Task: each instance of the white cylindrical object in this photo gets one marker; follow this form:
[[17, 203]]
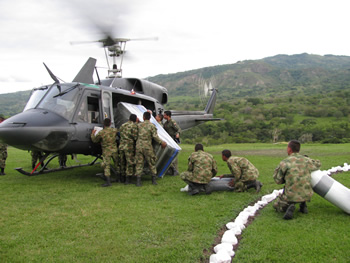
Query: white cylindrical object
[[331, 190]]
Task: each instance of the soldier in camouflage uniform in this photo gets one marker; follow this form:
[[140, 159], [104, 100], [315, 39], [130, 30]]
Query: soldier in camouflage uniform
[[144, 149], [173, 129], [3, 157], [3, 153], [295, 173], [244, 173], [107, 137], [128, 137], [36, 155], [201, 168]]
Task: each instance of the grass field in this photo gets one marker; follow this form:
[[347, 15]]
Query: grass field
[[67, 217]]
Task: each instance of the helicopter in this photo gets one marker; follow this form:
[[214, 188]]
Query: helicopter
[[59, 118]]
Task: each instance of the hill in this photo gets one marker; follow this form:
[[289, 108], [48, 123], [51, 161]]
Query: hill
[[279, 75], [13, 103]]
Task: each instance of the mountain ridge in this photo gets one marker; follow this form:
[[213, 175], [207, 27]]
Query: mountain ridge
[[279, 75]]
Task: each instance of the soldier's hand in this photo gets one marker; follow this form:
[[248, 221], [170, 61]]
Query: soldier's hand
[[231, 183], [164, 144], [221, 176], [93, 131]]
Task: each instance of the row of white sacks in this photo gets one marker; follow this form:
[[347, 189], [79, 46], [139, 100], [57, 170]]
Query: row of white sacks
[[322, 184]]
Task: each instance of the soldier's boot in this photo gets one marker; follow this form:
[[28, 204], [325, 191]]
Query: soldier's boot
[[175, 172], [118, 178], [154, 182], [122, 178], [126, 179], [258, 186], [289, 213], [193, 189], [2, 171], [138, 181], [208, 189], [108, 182], [303, 208], [170, 171]]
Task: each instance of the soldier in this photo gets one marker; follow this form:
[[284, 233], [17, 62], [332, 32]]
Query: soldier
[[244, 173], [36, 155], [128, 137], [201, 168], [159, 119], [295, 173], [3, 153], [107, 137], [144, 149], [171, 127]]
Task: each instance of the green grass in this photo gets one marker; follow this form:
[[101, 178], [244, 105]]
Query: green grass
[[67, 217]]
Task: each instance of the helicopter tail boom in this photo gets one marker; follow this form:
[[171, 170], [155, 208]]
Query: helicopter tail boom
[[189, 119]]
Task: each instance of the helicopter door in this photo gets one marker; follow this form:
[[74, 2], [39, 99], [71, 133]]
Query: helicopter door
[[107, 106]]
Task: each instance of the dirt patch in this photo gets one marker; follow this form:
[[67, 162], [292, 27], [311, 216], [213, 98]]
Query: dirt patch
[[262, 152], [207, 253]]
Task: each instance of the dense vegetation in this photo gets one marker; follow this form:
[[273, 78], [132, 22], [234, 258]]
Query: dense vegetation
[[303, 96]]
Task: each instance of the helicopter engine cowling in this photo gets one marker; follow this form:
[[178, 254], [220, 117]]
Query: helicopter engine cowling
[[36, 129]]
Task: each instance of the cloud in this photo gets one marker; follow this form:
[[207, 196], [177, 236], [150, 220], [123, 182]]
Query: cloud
[[192, 34]]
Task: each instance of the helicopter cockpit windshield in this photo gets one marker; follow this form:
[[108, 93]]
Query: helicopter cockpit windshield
[[35, 97], [60, 98]]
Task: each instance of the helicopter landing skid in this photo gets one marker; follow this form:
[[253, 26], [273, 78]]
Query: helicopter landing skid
[[44, 170]]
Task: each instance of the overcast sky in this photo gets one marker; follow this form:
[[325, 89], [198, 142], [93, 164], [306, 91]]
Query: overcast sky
[[192, 34]]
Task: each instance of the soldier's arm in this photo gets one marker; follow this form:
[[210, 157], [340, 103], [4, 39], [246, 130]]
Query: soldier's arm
[[95, 138], [214, 168], [279, 174], [190, 164], [236, 171], [155, 136], [314, 164], [177, 129]]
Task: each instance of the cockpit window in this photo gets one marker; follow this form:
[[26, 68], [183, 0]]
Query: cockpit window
[[61, 99], [36, 96]]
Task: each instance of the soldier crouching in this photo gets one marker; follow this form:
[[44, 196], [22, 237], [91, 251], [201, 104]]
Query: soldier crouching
[[201, 168], [295, 173]]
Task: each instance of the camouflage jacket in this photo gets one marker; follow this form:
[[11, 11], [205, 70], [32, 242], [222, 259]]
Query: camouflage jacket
[[146, 132], [203, 167], [128, 136], [107, 137], [241, 169], [3, 146], [172, 128], [295, 173]]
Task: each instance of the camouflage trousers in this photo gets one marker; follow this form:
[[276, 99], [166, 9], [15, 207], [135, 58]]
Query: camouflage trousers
[[106, 162], [281, 203], [140, 157], [127, 162], [240, 186], [35, 156], [186, 176], [3, 157]]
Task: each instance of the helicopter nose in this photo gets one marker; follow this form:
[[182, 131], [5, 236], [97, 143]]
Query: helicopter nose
[[36, 129]]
